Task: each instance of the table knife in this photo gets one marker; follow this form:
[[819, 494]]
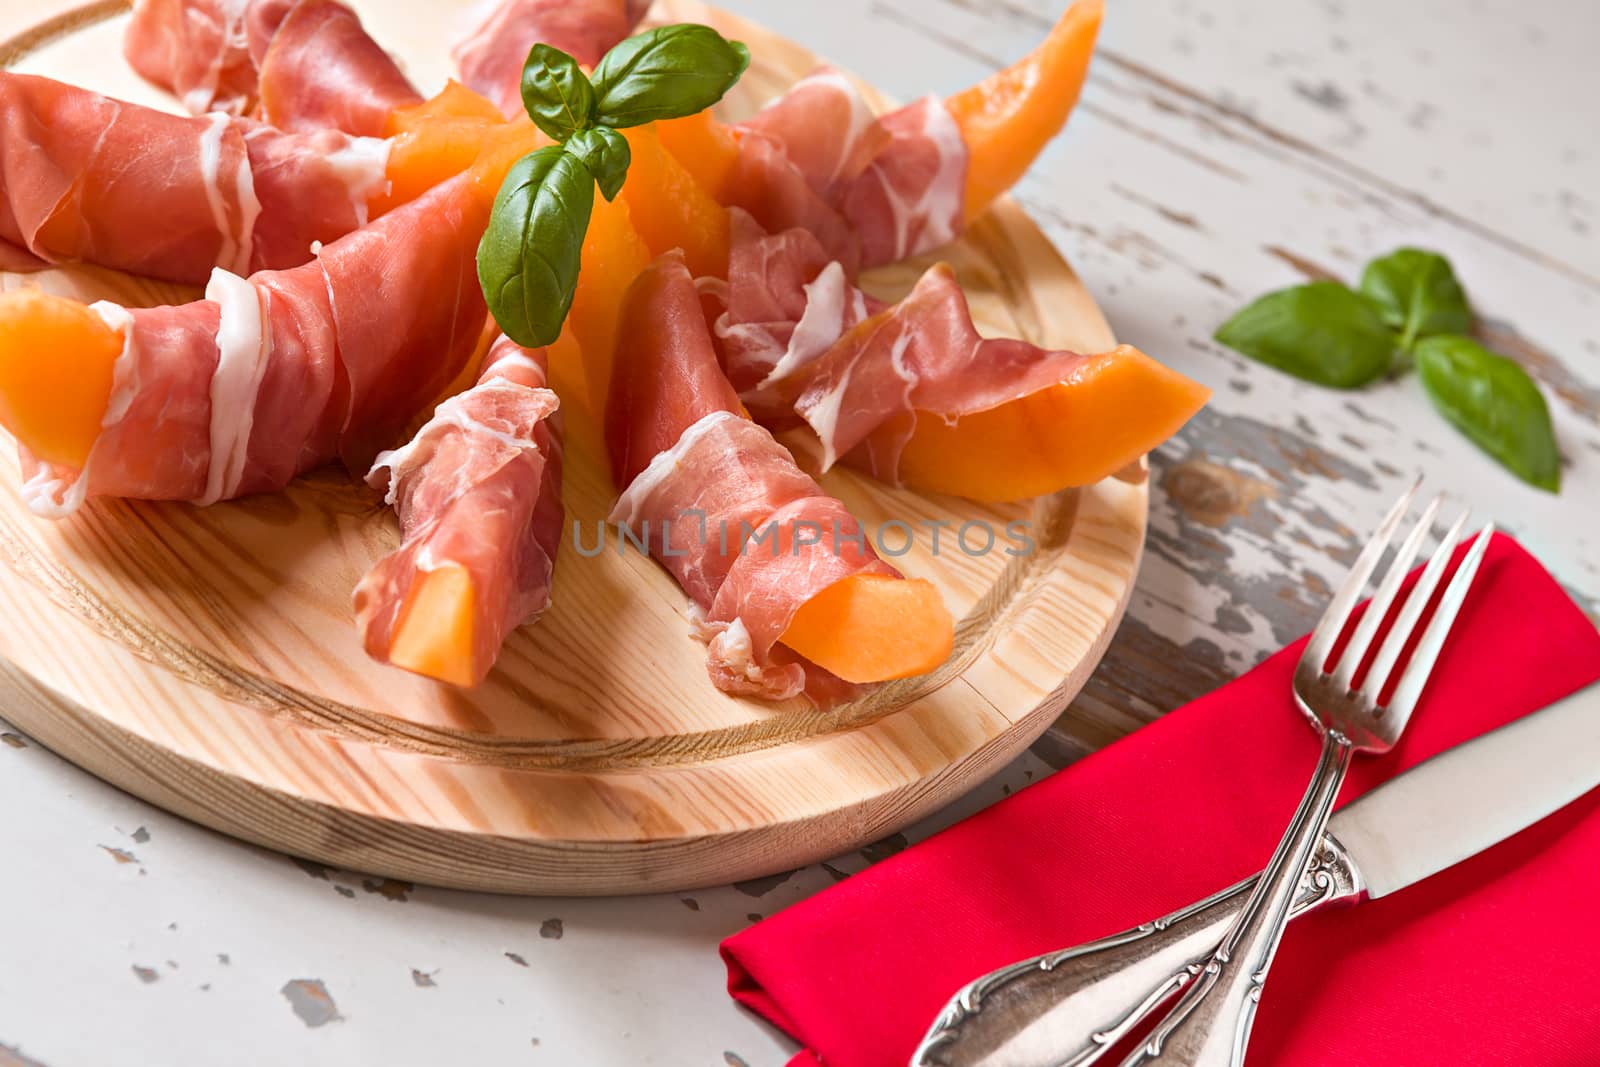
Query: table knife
[[1068, 1008]]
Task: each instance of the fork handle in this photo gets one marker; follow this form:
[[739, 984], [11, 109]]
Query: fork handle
[[1210, 1024], [1070, 1007]]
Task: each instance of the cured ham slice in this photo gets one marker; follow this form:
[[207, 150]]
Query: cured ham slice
[[265, 378], [827, 129], [749, 536], [491, 57], [478, 494], [889, 395], [786, 303], [910, 197], [873, 190], [913, 395], [84, 177], [197, 49], [922, 354], [768, 186], [298, 64]]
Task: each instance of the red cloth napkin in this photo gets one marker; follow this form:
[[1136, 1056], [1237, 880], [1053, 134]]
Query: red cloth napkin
[[1495, 961]]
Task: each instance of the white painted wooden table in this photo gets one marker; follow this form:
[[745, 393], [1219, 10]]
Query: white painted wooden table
[[1223, 147]]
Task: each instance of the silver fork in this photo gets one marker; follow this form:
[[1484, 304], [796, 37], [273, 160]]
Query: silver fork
[[1068, 1008], [1210, 1024]]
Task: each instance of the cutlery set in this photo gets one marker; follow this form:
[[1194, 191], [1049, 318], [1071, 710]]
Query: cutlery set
[[1206, 964]]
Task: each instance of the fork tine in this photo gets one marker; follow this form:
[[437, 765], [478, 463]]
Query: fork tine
[[1333, 620], [1383, 599], [1417, 671], [1417, 602]]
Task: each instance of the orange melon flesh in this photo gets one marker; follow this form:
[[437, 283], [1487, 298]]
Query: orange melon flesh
[[430, 153], [872, 628], [567, 374], [454, 101], [434, 636], [671, 209], [1112, 411], [501, 149], [706, 148], [613, 256], [56, 372], [434, 141], [1008, 118]]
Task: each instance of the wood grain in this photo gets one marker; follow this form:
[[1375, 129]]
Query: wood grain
[[205, 658]]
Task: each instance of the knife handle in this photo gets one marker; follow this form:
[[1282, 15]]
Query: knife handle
[[1210, 1024], [1069, 1008]]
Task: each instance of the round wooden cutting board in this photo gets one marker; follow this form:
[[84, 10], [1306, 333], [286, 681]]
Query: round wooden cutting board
[[205, 658]]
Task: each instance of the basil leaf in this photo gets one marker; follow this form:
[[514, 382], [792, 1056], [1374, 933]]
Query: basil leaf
[[666, 73], [607, 155], [1322, 332], [556, 92], [1418, 294], [1493, 401], [528, 260]]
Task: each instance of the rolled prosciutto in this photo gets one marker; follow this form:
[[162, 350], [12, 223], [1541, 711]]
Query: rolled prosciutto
[[478, 494], [296, 64], [749, 536], [490, 57], [268, 376], [86, 178]]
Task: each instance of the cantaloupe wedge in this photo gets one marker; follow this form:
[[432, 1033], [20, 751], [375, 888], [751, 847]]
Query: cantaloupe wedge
[[706, 148], [872, 628], [1008, 118], [435, 635], [1114, 409], [671, 209], [56, 373]]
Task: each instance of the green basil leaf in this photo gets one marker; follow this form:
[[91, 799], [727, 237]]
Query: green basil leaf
[[605, 152], [557, 94], [1418, 294], [1492, 400], [528, 260], [666, 73], [1322, 332]]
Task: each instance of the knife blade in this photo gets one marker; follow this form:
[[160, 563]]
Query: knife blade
[[1475, 795], [1068, 1008]]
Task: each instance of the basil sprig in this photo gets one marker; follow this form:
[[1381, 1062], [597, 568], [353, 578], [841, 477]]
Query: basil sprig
[[1410, 308], [529, 258]]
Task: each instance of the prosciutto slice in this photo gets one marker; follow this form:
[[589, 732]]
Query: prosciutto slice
[[478, 487], [873, 190], [747, 534], [922, 357], [825, 126], [84, 177], [786, 303], [272, 375], [298, 64], [910, 197], [491, 57]]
